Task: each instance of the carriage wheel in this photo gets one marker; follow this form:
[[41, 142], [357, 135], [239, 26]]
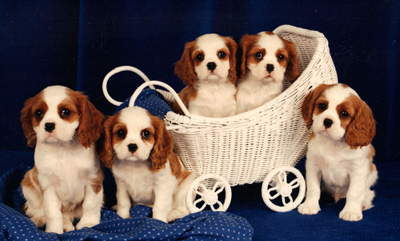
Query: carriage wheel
[[199, 196], [276, 185]]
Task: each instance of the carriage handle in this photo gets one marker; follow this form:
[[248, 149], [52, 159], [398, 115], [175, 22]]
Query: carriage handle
[[147, 82]]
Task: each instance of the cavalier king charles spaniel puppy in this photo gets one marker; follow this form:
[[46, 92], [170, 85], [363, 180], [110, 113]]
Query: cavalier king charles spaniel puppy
[[339, 157], [208, 69], [266, 59], [139, 149], [66, 180]]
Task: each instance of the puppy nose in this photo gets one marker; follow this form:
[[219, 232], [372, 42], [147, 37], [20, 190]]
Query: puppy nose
[[270, 68], [49, 127], [132, 148], [211, 66], [328, 123]]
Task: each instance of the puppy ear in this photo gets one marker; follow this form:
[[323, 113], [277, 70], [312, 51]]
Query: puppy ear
[[184, 68], [90, 121], [106, 149], [232, 46], [361, 129], [26, 121], [307, 108], [245, 44], [292, 70], [163, 145]]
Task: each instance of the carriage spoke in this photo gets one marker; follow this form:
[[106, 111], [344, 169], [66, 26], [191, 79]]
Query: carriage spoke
[[276, 195], [287, 203], [219, 206], [295, 183]]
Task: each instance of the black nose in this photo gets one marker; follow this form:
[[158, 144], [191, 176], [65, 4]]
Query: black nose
[[328, 123], [132, 148], [211, 66], [270, 68], [49, 127]]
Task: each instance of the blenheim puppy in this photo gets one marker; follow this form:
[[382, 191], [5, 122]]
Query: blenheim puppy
[[139, 149], [208, 69], [66, 180], [339, 153], [266, 59]]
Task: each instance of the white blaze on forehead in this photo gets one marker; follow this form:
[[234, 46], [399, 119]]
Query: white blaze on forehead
[[212, 42], [271, 42], [54, 95], [136, 118], [337, 94]]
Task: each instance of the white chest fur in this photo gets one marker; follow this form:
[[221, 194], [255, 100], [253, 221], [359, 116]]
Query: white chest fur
[[214, 100]]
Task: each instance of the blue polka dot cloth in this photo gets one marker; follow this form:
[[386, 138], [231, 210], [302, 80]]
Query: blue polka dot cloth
[[205, 225], [150, 100]]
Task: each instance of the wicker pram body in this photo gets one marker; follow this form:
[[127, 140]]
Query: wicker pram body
[[244, 148]]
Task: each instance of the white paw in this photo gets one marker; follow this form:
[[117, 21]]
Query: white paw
[[308, 209], [176, 214], [39, 221], [87, 222], [123, 213], [67, 226], [350, 215], [54, 229]]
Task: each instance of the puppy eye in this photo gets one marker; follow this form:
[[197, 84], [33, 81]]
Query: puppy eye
[[344, 114], [322, 106], [38, 114], [121, 133], [259, 55], [281, 57], [200, 57], [65, 112], [221, 55], [145, 134]]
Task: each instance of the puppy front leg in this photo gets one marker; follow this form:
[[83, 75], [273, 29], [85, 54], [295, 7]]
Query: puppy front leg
[[352, 211], [162, 203], [313, 181], [123, 199], [91, 207], [52, 211]]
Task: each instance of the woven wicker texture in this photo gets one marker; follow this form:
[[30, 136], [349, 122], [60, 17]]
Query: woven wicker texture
[[245, 147]]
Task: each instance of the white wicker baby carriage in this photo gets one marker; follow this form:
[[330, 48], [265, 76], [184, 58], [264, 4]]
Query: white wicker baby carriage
[[261, 145]]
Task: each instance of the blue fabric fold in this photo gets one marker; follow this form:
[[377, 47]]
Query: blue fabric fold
[[205, 225]]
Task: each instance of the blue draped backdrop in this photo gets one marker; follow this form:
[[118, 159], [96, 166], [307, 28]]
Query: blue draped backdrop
[[76, 43]]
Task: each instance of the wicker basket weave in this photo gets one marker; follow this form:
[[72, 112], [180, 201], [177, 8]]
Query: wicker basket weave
[[245, 147]]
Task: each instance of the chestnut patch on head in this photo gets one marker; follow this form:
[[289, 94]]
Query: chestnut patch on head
[[119, 132], [68, 111]]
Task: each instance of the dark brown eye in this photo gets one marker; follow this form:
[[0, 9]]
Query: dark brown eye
[[344, 114], [322, 106], [281, 57], [145, 134], [39, 114], [221, 55], [65, 112], [200, 57], [259, 55], [121, 133]]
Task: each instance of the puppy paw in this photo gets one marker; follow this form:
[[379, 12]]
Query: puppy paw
[[87, 222], [176, 214], [50, 229], [39, 221], [350, 215], [123, 213], [308, 209], [67, 226]]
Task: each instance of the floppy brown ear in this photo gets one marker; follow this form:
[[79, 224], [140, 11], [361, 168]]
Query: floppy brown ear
[[361, 129], [26, 121], [90, 120], [292, 70], [245, 44], [232, 46], [163, 145], [184, 68], [106, 150], [307, 108]]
